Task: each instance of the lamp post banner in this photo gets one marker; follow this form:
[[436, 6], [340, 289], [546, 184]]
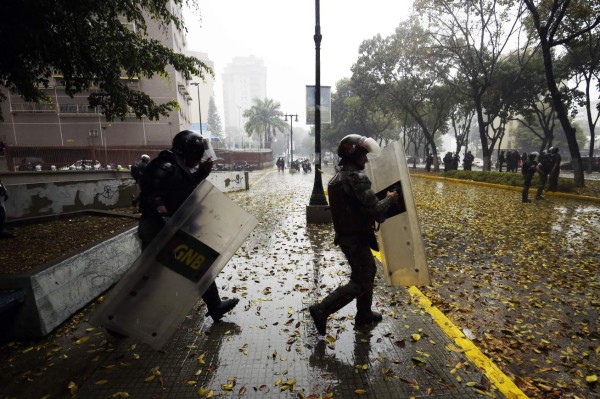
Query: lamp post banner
[[156, 294], [325, 104], [399, 237]]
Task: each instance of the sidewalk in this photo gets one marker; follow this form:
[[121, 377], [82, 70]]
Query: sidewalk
[[268, 346]]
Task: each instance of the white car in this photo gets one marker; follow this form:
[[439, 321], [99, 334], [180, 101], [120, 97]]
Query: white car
[[478, 162]]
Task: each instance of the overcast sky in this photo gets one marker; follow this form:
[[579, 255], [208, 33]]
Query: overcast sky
[[281, 33]]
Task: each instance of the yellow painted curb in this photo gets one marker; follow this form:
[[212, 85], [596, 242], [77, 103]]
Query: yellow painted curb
[[504, 384], [500, 380], [505, 187]]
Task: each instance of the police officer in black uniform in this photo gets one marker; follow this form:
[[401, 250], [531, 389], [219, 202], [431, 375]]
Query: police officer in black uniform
[[354, 210], [528, 170], [3, 197], [137, 170], [165, 184], [544, 167], [553, 178]]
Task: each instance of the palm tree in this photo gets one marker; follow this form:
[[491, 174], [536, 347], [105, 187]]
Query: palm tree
[[264, 118]]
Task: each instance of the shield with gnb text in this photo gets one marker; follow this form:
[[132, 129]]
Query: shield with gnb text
[[163, 284]]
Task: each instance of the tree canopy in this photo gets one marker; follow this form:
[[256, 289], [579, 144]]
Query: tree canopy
[[264, 119], [91, 44]]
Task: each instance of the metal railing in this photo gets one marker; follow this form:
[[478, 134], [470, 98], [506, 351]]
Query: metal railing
[[32, 108]]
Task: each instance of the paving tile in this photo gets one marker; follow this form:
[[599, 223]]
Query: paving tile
[[269, 341]]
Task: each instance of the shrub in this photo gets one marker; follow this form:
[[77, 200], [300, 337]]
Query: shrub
[[506, 179]]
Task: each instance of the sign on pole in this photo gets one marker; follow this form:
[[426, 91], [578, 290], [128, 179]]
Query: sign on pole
[[325, 104]]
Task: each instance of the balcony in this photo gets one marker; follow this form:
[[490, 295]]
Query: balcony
[[77, 110], [32, 108]]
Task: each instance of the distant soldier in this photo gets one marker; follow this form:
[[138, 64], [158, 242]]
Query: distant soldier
[[512, 161], [3, 198], [528, 170], [553, 177], [428, 162], [501, 160], [468, 161], [448, 161], [455, 161], [137, 171], [544, 167]]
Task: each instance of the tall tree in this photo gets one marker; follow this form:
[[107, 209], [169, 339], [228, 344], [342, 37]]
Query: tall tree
[[91, 44], [584, 60], [214, 120], [557, 23], [264, 119], [394, 66], [471, 36]]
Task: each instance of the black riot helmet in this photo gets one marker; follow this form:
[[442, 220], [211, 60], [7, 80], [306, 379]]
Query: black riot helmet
[[353, 146], [189, 145], [554, 150]]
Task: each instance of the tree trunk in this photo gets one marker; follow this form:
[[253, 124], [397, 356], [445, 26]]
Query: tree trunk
[[485, 150], [591, 124], [562, 113]]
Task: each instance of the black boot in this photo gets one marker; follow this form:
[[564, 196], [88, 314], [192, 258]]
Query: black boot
[[333, 302], [216, 307], [365, 317], [319, 318], [367, 322], [225, 306]]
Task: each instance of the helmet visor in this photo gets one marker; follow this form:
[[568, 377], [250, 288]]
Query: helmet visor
[[209, 152], [371, 146]]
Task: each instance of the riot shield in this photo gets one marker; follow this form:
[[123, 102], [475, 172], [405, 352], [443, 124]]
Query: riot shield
[[399, 237], [159, 289]]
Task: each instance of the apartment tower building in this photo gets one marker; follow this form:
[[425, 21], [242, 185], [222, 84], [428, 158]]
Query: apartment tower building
[[244, 79]]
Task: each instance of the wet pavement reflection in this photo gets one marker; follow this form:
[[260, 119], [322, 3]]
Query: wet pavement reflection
[[267, 347]]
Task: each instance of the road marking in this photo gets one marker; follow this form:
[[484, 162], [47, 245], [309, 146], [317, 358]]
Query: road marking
[[504, 384]]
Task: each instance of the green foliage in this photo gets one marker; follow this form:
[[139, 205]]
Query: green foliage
[[91, 44], [506, 179], [264, 118]]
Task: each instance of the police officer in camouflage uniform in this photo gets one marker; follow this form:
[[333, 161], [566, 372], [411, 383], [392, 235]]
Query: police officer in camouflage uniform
[[166, 183], [354, 209]]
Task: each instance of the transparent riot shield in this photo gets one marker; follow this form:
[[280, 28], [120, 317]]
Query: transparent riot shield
[[158, 291], [399, 237]]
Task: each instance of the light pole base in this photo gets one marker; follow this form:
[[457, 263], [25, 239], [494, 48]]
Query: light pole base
[[318, 214]]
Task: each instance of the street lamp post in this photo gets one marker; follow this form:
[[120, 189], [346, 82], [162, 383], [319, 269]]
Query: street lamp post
[[317, 210], [197, 84], [291, 135]]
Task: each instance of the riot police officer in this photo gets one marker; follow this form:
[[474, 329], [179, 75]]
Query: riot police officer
[[3, 197], [166, 183], [553, 178], [137, 170], [528, 170], [544, 167], [354, 210]]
